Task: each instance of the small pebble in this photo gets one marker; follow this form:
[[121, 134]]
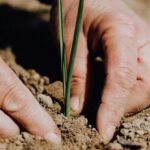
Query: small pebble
[[17, 143], [83, 121], [146, 123], [41, 81], [115, 146], [47, 100], [148, 118], [140, 132], [40, 89], [25, 135], [46, 80], [131, 135], [127, 125], [36, 76], [137, 123], [93, 129], [38, 138]]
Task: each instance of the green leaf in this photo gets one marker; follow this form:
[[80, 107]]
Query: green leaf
[[72, 57], [62, 48]]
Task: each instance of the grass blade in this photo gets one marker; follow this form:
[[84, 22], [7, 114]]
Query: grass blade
[[72, 57], [62, 48]]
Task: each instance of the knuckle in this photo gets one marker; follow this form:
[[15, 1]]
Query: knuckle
[[125, 77], [116, 25], [77, 80], [14, 99], [125, 19]]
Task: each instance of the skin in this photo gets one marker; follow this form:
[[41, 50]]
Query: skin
[[126, 44], [19, 107]]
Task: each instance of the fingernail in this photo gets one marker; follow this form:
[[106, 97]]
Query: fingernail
[[54, 138], [75, 103], [108, 133]]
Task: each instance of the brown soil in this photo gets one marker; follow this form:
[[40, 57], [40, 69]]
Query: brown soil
[[77, 133]]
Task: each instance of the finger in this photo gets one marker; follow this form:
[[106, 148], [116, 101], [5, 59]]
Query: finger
[[121, 62], [19, 103], [7, 126], [79, 76]]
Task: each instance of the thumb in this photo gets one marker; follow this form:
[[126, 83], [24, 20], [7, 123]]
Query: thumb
[[121, 58]]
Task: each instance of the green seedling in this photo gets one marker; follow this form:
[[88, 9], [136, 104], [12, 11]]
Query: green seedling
[[67, 74], [62, 47]]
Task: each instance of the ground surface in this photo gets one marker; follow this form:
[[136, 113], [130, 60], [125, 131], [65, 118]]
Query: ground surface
[[134, 132]]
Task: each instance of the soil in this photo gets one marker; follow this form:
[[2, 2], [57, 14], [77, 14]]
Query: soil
[[77, 132]]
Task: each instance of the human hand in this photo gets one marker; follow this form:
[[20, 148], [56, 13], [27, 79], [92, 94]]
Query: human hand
[[126, 43], [18, 106]]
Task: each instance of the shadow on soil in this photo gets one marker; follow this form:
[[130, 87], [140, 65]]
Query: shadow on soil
[[31, 40]]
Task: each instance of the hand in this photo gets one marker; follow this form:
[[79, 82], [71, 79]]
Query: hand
[[126, 45], [18, 106]]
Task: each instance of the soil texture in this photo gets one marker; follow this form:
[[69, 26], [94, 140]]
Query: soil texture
[[134, 132]]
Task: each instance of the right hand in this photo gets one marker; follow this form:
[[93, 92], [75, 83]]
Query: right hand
[[109, 26], [18, 106]]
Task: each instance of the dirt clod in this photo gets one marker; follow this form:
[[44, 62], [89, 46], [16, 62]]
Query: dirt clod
[[55, 90], [46, 100]]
